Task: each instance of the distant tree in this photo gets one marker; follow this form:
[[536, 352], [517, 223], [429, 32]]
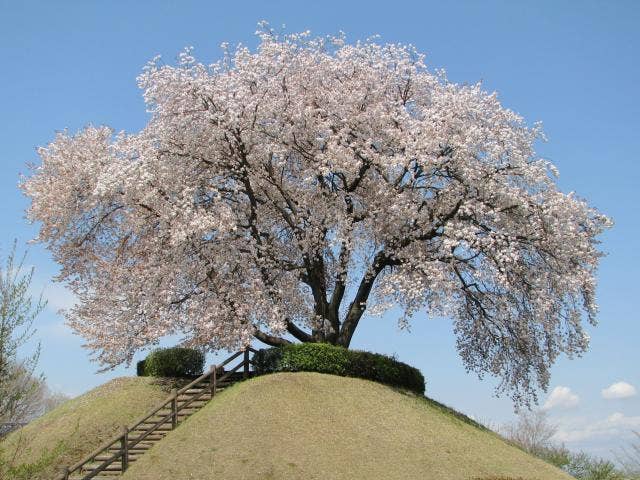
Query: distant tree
[[40, 399], [533, 431], [24, 394], [20, 388], [52, 399], [279, 194], [586, 467]]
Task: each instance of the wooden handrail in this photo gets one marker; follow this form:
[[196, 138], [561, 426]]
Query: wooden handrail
[[127, 442], [150, 430], [125, 449], [231, 358], [226, 374], [202, 377], [147, 416], [162, 405]]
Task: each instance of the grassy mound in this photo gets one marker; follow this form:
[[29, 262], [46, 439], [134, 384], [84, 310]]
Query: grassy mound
[[315, 426], [77, 427]]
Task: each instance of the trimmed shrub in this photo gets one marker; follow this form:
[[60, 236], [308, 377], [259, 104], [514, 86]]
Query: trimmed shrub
[[140, 368], [326, 358], [174, 362], [267, 360]]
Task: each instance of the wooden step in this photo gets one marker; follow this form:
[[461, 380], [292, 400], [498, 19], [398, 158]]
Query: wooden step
[[154, 420], [110, 470], [195, 404], [160, 428], [114, 467], [185, 412], [189, 396], [138, 453], [103, 475], [102, 458], [203, 390], [152, 436], [153, 439], [143, 446], [139, 447], [100, 476], [191, 400], [185, 398], [206, 388]]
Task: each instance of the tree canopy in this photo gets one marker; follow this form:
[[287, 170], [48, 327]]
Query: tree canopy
[[281, 193]]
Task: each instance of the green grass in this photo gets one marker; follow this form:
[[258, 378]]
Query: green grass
[[315, 426], [77, 427]]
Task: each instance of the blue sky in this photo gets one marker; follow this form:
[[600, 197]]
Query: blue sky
[[572, 65]]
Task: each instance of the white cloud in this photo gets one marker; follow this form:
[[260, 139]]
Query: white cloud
[[619, 390], [615, 426], [561, 397]]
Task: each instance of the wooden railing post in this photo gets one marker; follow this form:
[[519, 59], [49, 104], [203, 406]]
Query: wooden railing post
[[174, 408], [125, 448], [213, 380], [65, 476], [245, 374]]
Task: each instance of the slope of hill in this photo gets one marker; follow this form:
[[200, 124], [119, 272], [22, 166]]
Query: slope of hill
[[314, 426], [77, 427]]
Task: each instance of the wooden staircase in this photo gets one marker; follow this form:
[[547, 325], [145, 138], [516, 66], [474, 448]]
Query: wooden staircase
[[113, 457]]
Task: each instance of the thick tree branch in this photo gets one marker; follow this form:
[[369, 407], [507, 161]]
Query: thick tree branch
[[270, 339], [315, 278], [298, 333], [359, 304], [339, 289]]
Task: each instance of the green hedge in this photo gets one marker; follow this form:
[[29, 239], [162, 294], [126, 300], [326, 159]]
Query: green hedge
[[172, 362], [140, 368], [325, 358]]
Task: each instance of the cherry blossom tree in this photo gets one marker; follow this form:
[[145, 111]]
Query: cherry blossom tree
[[281, 192]]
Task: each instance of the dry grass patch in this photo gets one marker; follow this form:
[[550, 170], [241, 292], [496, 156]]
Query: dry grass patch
[[77, 427]]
